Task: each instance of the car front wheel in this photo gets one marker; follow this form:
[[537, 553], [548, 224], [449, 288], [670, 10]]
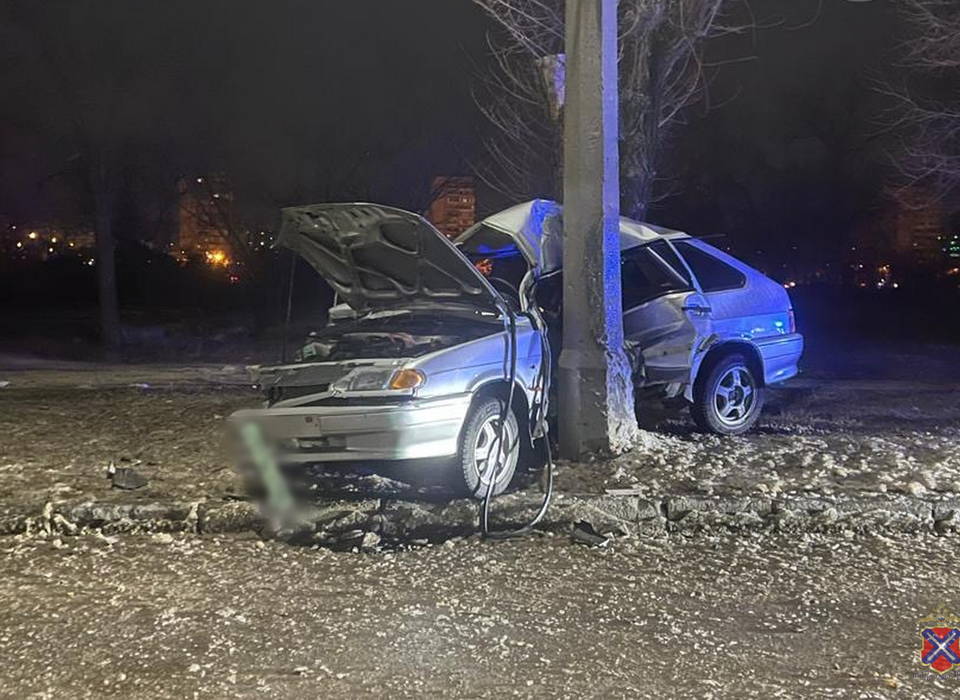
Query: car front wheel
[[730, 398], [480, 458]]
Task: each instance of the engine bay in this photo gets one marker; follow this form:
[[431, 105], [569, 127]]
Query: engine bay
[[402, 334]]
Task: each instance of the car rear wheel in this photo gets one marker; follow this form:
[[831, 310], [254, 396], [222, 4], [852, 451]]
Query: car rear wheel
[[480, 458], [730, 398]]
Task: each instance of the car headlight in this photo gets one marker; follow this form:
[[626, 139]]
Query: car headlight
[[378, 379], [363, 379]]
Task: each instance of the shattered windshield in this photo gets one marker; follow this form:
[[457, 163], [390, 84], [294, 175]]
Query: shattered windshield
[[495, 255]]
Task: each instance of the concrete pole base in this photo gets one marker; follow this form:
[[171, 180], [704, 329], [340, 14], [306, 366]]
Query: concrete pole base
[[597, 402]]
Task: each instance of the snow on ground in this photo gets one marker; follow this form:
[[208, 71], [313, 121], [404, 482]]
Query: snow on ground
[[891, 423], [752, 616], [815, 435]]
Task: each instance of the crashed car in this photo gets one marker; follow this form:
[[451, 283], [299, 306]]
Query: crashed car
[[415, 366]]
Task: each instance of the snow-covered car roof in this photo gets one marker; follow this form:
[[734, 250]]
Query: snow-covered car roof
[[537, 228]]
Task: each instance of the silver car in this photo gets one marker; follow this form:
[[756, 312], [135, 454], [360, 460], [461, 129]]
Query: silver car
[[415, 366]]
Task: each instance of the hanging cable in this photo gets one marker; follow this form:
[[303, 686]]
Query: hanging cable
[[286, 318], [539, 424]]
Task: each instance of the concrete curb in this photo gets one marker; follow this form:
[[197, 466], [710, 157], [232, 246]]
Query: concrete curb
[[396, 520]]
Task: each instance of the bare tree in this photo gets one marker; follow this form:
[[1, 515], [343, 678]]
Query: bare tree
[[93, 86], [662, 71], [925, 118]]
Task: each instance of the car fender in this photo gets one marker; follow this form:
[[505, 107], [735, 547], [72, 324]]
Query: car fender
[[468, 367], [714, 344]]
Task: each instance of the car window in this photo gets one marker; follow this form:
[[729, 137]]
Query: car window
[[487, 242], [666, 256], [549, 293], [713, 274], [645, 275], [495, 255]]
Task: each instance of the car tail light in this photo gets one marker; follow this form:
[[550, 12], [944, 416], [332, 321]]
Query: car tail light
[[791, 322]]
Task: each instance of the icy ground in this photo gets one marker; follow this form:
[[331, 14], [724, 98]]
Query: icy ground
[[876, 419], [753, 616], [815, 435]]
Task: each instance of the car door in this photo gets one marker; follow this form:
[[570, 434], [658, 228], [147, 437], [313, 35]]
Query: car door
[[723, 287], [665, 315]]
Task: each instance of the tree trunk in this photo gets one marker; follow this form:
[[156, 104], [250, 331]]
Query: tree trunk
[[596, 383], [104, 195], [638, 185]]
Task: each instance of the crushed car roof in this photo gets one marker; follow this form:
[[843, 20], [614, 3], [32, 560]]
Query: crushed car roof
[[537, 228]]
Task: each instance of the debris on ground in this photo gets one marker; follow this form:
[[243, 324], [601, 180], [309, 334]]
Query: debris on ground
[[126, 478], [583, 533]]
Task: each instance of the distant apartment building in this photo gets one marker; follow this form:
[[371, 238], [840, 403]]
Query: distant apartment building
[[202, 207], [918, 222], [454, 207], [951, 247]]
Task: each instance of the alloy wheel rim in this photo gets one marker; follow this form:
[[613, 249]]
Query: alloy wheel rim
[[735, 396], [486, 448]]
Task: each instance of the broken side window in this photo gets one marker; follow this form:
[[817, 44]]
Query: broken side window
[[645, 275]]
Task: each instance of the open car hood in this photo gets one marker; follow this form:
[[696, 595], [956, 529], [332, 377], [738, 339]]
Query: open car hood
[[375, 256]]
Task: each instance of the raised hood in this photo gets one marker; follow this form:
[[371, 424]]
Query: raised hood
[[375, 256]]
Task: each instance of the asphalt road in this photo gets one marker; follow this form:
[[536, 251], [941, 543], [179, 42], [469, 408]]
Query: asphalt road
[[751, 616]]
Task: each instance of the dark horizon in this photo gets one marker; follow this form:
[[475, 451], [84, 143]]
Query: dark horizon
[[375, 101], [784, 163]]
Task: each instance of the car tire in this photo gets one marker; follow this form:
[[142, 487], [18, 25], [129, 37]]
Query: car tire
[[729, 399], [478, 440]]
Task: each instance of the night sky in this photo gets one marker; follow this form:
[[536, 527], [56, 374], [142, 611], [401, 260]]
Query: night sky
[[320, 99]]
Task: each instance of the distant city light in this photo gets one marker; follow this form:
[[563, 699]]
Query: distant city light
[[32, 235], [19, 244], [217, 257], [53, 240]]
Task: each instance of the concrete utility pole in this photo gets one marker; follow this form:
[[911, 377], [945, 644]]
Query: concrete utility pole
[[596, 389]]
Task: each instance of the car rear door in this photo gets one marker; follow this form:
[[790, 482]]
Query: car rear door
[[721, 284], [665, 315]]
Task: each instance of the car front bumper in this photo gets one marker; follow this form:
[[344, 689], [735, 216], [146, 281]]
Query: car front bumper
[[416, 429]]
